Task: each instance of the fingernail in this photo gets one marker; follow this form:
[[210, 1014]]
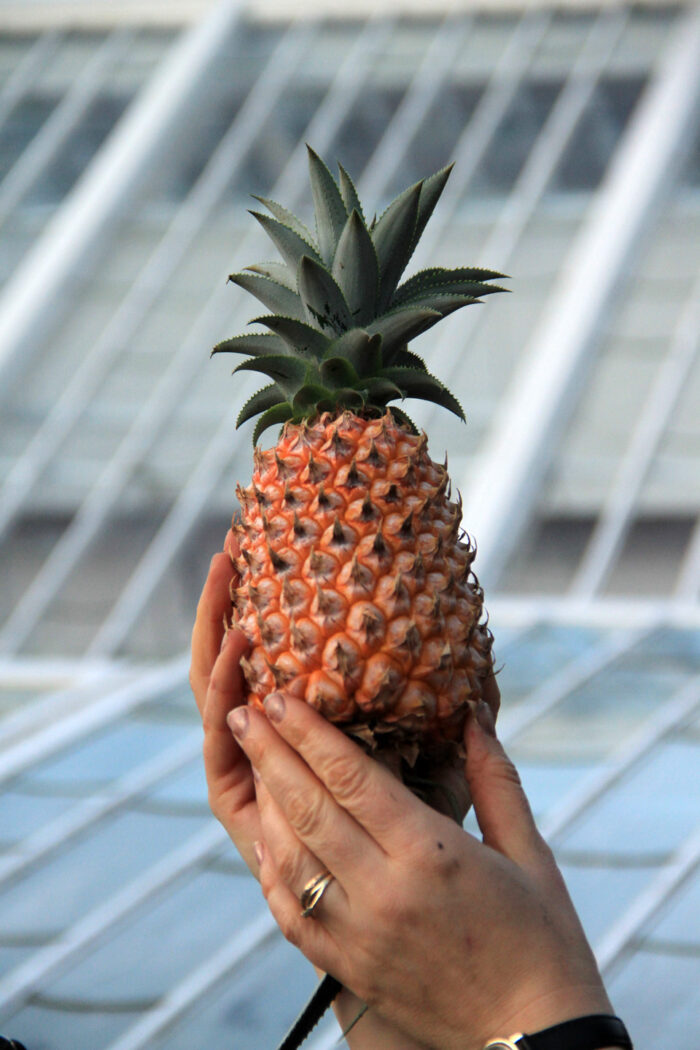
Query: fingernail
[[238, 720], [259, 852], [274, 707], [256, 775]]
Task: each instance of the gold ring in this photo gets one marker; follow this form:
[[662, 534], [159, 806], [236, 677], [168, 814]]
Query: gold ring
[[313, 891]]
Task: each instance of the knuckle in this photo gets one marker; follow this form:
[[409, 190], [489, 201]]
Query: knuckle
[[305, 812], [345, 778], [289, 868]]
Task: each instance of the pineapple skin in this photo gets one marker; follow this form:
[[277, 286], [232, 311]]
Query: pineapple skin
[[356, 590]]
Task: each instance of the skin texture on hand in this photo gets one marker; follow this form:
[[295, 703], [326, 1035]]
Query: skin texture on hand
[[451, 941]]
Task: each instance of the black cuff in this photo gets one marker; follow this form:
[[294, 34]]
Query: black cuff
[[595, 1032]]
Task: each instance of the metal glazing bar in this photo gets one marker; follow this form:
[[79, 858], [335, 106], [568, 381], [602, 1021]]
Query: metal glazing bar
[[76, 725], [571, 677], [645, 906], [502, 87], [102, 193], [435, 68], [346, 86], [688, 584], [24, 77], [227, 158], [198, 983], [538, 169], [91, 810], [613, 522], [17, 984], [682, 705], [532, 413], [55, 131], [22, 722]]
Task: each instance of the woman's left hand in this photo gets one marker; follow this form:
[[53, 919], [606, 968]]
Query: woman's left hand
[[451, 940]]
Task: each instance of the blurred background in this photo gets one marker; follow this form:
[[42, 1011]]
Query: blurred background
[[132, 135]]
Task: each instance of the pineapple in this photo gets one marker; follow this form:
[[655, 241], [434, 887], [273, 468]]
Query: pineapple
[[356, 586]]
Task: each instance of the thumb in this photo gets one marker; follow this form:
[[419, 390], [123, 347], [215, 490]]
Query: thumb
[[500, 804]]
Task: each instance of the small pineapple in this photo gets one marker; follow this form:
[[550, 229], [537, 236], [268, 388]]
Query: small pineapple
[[356, 590]]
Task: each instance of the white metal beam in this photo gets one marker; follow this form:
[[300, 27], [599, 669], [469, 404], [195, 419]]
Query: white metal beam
[[33, 296], [616, 514], [531, 416]]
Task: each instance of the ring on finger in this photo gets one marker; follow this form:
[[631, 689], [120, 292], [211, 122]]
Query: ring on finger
[[313, 891]]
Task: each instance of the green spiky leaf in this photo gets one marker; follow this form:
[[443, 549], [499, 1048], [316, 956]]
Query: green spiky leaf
[[459, 281], [329, 207], [408, 359], [425, 386], [289, 243], [381, 390], [323, 301], [277, 414], [276, 271], [297, 334], [337, 372], [399, 326], [393, 241], [349, 193], [363, 351], [431, 191], [310, 396], [288, 372], [275, 296], [356, 269], [256, 344], [287, 218], [401, 417], [267, 397]]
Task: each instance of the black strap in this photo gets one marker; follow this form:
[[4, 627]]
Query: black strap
[[312, 1013], [595, 1032]]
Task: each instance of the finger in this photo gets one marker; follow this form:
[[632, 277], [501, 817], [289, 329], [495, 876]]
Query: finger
[[491, 693], [378, 801], [213, 609], [500, 804], [311, 937], [225, 691], [229, 776], [322, 825], [294, 864]]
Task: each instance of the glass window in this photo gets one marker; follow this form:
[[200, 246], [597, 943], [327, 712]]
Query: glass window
[[597, 136], [79, 149]]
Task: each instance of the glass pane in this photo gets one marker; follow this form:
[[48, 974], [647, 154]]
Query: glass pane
[[659, 997], [597, 136], [647, 815], [79, 150], [163, 944]]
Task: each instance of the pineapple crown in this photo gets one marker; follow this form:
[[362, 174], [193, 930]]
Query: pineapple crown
[[340, 323]]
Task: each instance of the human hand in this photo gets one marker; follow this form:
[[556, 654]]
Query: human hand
[[451, 940], [216, 681], [217, 684]]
